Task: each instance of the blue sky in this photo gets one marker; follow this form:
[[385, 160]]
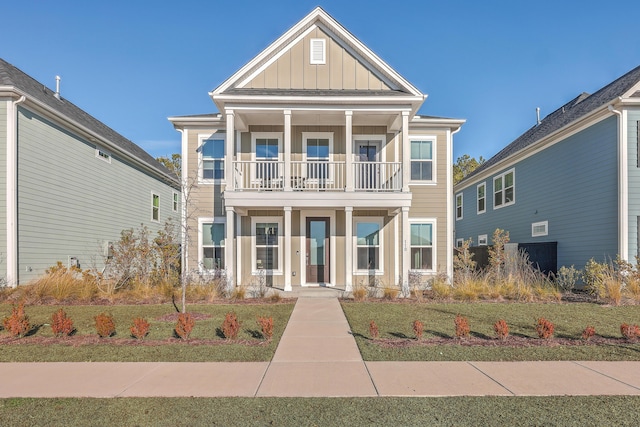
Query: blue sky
[[132, 64]]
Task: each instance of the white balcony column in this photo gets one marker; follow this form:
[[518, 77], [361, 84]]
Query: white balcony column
[[406, 250], [238, 241], [287, 248], [348, 248], [406, 153], [287, 150], [229, 150], [229, 252], [349, 175]]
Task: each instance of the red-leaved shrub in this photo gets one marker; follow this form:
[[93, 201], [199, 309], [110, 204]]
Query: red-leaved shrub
[[544, 328], [140, 328], [588, 333], [230, 326], [418, 329], [185, 325], [105, 325], [61, 324], [17, 324], [630, 332], [501, 329], [266, 324], [462, 326], [373, 330]]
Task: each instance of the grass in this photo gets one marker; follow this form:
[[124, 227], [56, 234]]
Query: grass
[[436, 411], [394, 320], [83, 318]]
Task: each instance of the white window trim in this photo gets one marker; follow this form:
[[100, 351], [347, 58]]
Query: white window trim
[[484, 185], [103, 155], [175, 201], [201, 222], [501, 176], [264, 135], [459, 243], [152, 207], [201, 139], [254, 221], [378, 138], [319, 61], [434, 225], [317, 135], [380, 222], [482, 237], [434, 173], [544, 224], [455, 207]]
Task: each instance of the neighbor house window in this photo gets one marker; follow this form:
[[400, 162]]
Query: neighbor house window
[[481, 190], [317, 51], [458, 206], [212, 155], [368, 244], [421, 160], [482, 240], [176, 201], [540, 229], [212, 245], [267, 244], [504, 189], [155, 207], [422, 246], [459, 243]]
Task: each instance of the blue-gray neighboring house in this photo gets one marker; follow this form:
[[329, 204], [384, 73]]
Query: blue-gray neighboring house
[[572, 179], [69, 184]]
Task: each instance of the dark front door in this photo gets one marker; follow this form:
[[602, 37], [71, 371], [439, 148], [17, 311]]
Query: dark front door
[[317, 250]]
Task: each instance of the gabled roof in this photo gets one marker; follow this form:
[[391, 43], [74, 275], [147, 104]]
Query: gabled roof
[[12, 78], [570, 112]]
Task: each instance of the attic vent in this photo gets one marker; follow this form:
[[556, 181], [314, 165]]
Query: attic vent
[[317, 51]]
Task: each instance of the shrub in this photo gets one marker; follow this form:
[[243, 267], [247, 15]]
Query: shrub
[[61, 324], [274, 297], [390, 293], [418, 329], [373, 330], [238, 293], [501, 329], [17, 324], [231, 326], [462, 326], [266, 324], [105, 325], [567, 278], [359, 293], [588, 333], [630, 332], [185, 325], [544, 328], [140, 328]]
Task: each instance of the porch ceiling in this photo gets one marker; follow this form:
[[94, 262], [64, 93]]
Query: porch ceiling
[[318, 118]]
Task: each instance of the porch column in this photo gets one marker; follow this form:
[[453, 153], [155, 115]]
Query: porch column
[[229, 151], [406, 153], [348, 248], [238, 240], [287, 248], [348, 143], [406, 250], [229, 255], [287, 151]]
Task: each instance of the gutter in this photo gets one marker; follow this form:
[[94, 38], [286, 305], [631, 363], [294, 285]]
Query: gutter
[[623, 185], [12, 192]]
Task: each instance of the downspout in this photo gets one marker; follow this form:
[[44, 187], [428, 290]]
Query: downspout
[[623, 186], [12, 192], [183, 199], [450, 233]]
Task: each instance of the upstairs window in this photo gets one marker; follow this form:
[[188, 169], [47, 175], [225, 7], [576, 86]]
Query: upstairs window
[[155, 207], [176, 201], [422, 160], [317, 52], [103, 155], [482, 197], [458, 206], [504, 189], [212, 152]]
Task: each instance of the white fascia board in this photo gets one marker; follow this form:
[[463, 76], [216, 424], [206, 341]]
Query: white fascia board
[[448, 123], [319, 99], [181, 122], [313, 199]]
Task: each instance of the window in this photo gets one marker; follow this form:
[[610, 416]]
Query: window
[[317, 52], [267, 243], [368, 244], [482, 240], [103, 155], [458, 206], [422, 246], [212, 155], [318, 148], [459, 243], [155, 207], [481, 190], [212, 245], [267, 152], [540, 229], [503, 190], [176, 201], [422, 160]]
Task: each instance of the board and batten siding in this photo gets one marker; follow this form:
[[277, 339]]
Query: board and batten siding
[[3, 187], [70, 202], [572, 184], [633, 121]]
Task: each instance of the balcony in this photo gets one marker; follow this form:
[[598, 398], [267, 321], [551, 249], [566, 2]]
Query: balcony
[[317, 176]]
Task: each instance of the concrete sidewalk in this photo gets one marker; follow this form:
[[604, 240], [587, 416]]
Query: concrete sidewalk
[[317, 356]]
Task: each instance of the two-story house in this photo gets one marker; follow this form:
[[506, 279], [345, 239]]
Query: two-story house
[[317, 170], [572, 179]]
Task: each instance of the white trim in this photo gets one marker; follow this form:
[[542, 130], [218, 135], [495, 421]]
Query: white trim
[[434, 252], [381, 260], [434, 169], [215, 136], [201, 222], [461, 197], [12, 191], [482, 237], [153, 195], [103, 155], [502, 176], [543, 232], [304, 214], [266, 219], [484, 185], [623, 187], [313, 43]]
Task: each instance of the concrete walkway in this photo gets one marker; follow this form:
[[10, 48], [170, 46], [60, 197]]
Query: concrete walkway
[[318, 356]]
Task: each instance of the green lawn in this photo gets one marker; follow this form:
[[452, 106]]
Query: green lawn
[[176, 351], [394, 320], [353, 412]]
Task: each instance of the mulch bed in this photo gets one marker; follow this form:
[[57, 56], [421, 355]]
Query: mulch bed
[[81, 340], [511, 342]]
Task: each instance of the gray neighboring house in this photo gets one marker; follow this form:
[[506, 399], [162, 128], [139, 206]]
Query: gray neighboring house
[[573, 178], [68, 183]]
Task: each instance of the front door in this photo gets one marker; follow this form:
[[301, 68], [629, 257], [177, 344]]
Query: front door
[[368, 153], [317, 250]]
